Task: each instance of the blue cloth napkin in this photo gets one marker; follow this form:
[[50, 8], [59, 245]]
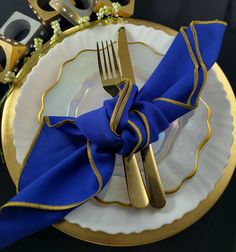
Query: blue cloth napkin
[[72, 159]]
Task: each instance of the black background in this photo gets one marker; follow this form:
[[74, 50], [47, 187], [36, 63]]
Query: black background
[[216, 231]]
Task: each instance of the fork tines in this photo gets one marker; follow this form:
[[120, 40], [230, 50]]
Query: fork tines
[[107, 64]]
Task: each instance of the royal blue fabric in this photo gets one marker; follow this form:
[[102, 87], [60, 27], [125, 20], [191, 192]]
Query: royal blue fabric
[[59, 171]]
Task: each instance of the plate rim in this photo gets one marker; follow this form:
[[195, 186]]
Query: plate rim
[[99, 237]]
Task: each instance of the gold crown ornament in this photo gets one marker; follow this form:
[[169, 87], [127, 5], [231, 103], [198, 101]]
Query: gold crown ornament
[[11, 52], [125, 10], [45, 13]]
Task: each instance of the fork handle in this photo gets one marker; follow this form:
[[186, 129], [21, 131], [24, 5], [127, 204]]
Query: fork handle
[[154, 185], [136, 189]]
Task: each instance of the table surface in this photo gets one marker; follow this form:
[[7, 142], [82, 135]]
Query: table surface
[[216, 231]]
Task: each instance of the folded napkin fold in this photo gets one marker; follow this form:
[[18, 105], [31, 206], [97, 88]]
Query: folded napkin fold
[[72, 159]]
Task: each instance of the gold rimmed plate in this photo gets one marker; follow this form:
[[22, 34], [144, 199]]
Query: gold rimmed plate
[[184, 207]]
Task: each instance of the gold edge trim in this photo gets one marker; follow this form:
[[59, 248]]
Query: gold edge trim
[[204, 68], [196, 43], [196, 66], [216, 21], [94, 167], [119, 107], [147, 46], [146, 124], [62, 207], [200, 146], [104, 202], [57, 125], [28, 154], [7, 134], [56, 82], [139, 134], [178, 103], [39, 206]]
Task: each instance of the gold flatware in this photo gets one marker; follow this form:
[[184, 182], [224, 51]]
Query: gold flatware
[[153, 181], [109, 77]]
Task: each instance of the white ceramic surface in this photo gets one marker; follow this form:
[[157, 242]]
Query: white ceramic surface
[[115, 219]]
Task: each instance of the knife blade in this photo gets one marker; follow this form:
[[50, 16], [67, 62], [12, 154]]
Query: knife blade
[[126, 67], [153, 181]]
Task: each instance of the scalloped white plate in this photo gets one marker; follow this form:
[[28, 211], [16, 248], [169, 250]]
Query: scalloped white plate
[[114, 219]]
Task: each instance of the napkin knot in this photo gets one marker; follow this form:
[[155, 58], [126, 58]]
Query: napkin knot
[[124, 125], [130, 121]]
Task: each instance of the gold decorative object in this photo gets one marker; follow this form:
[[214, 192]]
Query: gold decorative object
[[56, 32], [125, 11], [72, 13], [11, 52], [10, 77], [23, 29], [46, 15]]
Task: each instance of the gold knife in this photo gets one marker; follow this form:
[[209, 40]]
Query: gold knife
[[154, 185]]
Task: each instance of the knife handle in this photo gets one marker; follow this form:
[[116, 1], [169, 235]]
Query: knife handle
[[136, 189], [154, 185]]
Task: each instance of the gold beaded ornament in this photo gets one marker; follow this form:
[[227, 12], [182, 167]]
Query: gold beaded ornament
[[72, 13], [125, 10], [45, 16]]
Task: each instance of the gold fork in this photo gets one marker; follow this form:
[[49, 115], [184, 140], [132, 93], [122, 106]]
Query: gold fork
[[110, 77]]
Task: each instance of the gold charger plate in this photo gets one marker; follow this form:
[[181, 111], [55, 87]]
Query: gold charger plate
[[133, 239]]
